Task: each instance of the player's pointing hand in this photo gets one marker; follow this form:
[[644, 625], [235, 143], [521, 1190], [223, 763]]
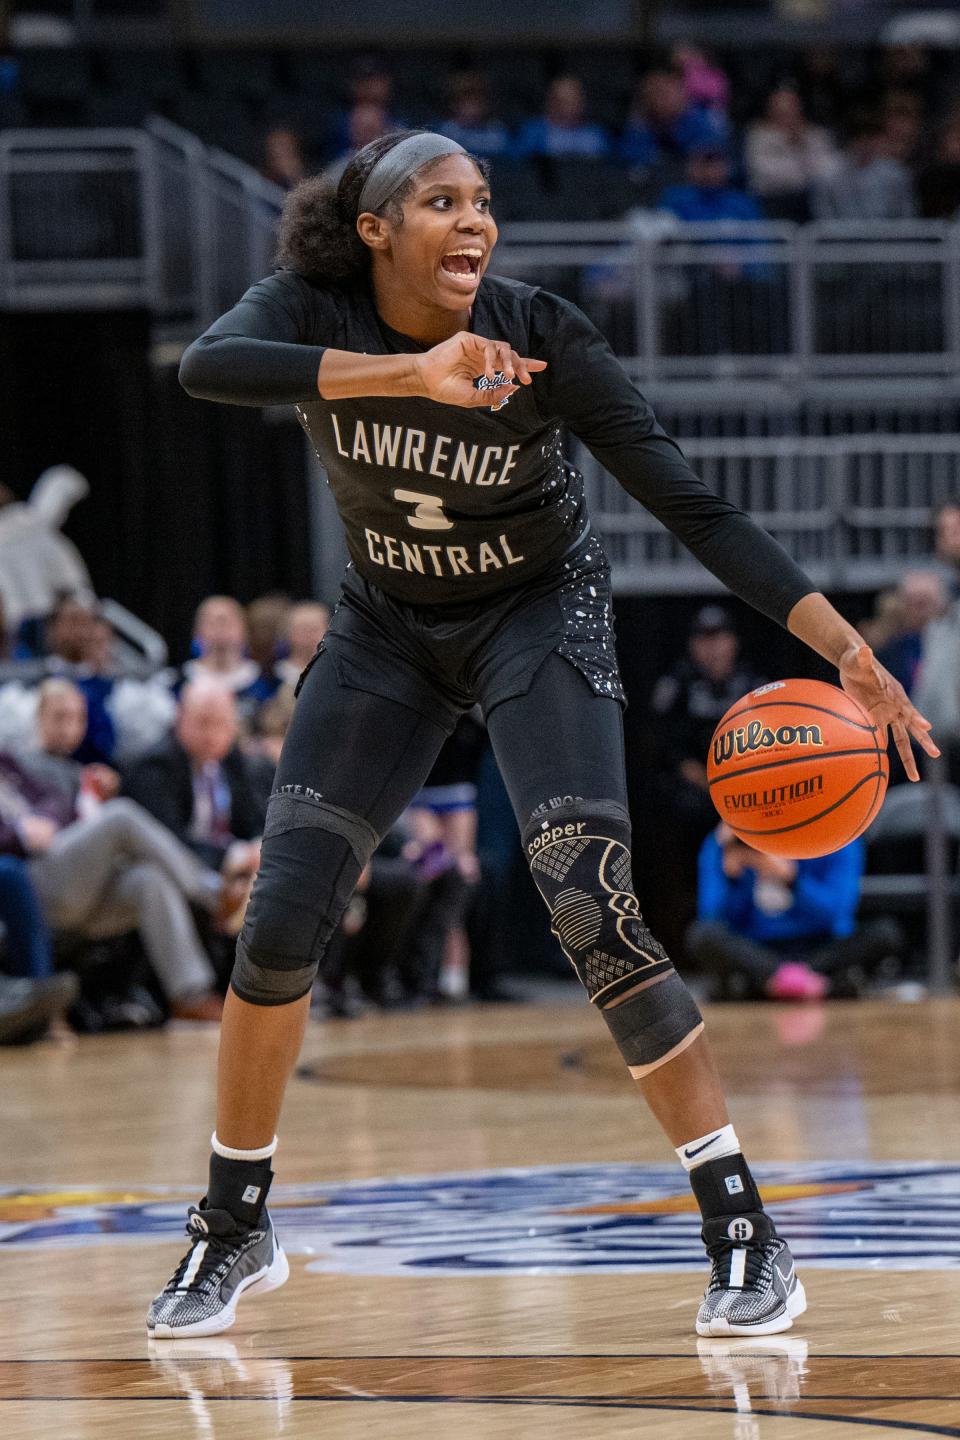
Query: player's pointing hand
[[449, 371], [885, 699]]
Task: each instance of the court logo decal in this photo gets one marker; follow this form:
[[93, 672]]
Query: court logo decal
[[543, 1220]]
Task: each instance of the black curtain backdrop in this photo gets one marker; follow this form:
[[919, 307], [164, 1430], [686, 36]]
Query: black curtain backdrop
[[187, 498]]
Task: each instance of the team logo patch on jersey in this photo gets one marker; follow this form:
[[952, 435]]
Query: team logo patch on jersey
[[547, 1220], [482, 383]]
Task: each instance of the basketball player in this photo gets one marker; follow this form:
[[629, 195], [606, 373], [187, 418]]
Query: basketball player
[[437, 400]]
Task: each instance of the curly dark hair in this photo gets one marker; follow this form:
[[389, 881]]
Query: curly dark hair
[[317, 236]]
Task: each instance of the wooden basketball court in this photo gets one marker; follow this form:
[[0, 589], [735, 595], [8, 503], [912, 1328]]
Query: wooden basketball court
[[520, 1294]]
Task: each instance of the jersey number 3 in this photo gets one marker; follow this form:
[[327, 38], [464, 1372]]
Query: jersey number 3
[[428, 510]]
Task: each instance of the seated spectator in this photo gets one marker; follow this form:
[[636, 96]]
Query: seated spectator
[[197, 782], [938, 184], [306, 626], [824, 81], [117, 870], [867, 183], [29, 947], [946, 529], [443, 822], [61, 724], [921, 597], [563, 129], [220, 643], [38, 564], [270, 726], [784, 929], [688, 703], [369, 85], [266, 627], [785, 154], [903, 120], [284, 162], [468, 118], [704, 83], [663, 127], [709, 193], [937, 685], [364, 122]]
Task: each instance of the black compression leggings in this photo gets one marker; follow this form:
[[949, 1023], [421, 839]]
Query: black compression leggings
[[370, 755], [363, 757]]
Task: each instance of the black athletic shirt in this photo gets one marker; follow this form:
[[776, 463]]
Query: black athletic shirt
[[442, 503]]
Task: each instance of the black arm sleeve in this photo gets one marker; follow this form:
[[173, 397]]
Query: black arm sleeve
[[586, 387], [259, 352]]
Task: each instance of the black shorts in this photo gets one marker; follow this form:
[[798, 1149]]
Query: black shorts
[[440, 660]]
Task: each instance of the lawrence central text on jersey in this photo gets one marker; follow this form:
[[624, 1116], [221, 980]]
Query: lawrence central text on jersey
[[442, 503]]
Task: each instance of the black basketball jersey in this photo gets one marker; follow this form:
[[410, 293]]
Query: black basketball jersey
[[442, 503]]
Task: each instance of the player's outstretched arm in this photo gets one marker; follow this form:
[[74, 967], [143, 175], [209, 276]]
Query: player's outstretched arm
[[815, 621], [446, 373]]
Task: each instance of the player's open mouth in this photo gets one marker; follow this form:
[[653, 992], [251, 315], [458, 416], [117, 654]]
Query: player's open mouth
[[463, 265]]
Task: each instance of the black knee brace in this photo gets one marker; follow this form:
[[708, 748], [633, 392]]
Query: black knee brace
[[581, 864], [311, 859]]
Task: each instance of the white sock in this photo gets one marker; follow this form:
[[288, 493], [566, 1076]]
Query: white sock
[[263, 1153], [712, 1146]]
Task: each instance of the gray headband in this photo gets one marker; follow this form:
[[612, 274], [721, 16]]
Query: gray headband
[[404, 160]]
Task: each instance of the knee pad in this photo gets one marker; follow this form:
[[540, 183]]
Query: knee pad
[[311, 859], [581, 864]]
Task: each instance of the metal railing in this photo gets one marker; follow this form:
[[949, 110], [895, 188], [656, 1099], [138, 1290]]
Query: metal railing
[[154, 218], [853, 510], [730, 299], [151, 219]]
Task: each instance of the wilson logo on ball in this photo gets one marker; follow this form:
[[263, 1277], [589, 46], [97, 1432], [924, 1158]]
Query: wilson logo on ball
[[746, 739]]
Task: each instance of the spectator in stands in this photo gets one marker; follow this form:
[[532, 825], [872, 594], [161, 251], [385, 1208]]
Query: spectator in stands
[[938, 185], [663, 127], [369, 85], [197, 782], [786, 155], [824, 77], [867, 183], [61, 725], [563, 129], [38, 564], [364, 122], [689, 701], [946, 529], [220, 643], [115, 871], [938, 680], [469, 119], [705, 84], [284, 162], [266, 626], [903, 123], [921, 597], [270, 727], [443, 822], [783, 929], [708, 193], [29, 946], [306, 626]]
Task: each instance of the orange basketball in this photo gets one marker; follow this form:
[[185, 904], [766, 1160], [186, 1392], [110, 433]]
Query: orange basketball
[[797, 769]]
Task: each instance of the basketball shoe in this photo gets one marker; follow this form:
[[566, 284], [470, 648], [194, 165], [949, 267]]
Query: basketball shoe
[[753, 1287], [226, 1259]]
